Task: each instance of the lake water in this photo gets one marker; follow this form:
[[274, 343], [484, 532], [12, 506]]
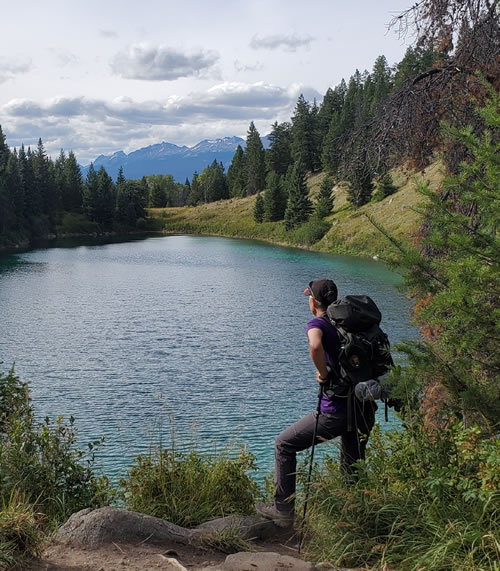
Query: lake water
[[206, 335]]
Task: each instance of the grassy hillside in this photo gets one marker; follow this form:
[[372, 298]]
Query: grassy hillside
[[350, 231]]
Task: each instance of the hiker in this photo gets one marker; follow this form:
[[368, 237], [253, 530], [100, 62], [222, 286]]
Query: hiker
[[333, 420]]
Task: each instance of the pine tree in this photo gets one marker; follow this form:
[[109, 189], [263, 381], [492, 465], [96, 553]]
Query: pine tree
[[90, 193], [359, 190], [304, 140], [298, 206], [106, 200], [279, 154], [258, 210], [32, 198], [196, 195], [45, 182], [73, 187], [255, 162], [237, 176], [274, 198], [324, 202], [455, 279], [382, 82]]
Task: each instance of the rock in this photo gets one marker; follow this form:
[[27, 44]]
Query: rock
[[106, 525], [264, 561], [250, 527]]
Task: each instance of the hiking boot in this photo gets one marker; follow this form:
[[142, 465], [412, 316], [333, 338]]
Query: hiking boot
[[279, 517]]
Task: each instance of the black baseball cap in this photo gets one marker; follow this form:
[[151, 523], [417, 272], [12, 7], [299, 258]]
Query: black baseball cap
[[324, 291]]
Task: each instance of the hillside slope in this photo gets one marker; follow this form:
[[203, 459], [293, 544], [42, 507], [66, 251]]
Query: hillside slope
[[351, 232]]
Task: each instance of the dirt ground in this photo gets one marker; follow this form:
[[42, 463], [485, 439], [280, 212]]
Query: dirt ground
[[142, 557]]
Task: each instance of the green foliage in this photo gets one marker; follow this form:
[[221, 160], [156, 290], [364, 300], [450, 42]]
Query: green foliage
[[385, 188], [298, 206], [304, 135], [423, 501], [237, 175], [40, 461], [310, 232], [274, 198], [258, 210], [20, 533], [279, 154], [456, 280], [255, 162], [324, 200], [190, 488]]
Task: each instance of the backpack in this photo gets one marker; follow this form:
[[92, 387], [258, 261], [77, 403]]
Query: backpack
[[365, 350]]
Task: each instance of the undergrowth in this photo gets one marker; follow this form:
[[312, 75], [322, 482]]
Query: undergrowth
[[423, 501], [189, 488]]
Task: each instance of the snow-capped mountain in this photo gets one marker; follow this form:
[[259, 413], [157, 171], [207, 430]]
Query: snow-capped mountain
[[167, 158]]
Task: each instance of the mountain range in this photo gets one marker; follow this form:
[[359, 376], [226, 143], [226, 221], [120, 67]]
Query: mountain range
[[168, 158]]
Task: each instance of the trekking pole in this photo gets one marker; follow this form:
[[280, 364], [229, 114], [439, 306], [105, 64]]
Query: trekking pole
[[313, 445]]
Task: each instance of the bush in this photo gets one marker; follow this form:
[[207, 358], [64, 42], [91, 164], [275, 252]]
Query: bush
[[421, 502], [20, 534], [190, 488], [385, 188], [39, 460], [310, 232]]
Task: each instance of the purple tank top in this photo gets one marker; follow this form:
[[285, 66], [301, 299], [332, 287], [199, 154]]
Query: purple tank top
[[331, 345]]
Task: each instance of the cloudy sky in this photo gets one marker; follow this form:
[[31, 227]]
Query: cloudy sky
[[99, 76]]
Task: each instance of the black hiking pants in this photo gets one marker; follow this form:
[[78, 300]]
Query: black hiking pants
[[299, 435]]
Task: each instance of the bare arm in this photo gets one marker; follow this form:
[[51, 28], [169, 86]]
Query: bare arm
[[317, 353]]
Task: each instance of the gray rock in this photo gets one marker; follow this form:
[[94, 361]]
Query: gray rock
[[106, 525], [250, 527]]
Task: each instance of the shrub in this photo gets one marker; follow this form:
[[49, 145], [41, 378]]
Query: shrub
[[310, 232], [20, 534], [190, 488], [421, 502], [39, 460]]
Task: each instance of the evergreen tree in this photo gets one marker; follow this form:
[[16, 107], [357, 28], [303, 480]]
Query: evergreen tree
[[73, 188], [157, 191], [196, 195], [59, 179], [120, 179], [258, 210], [382, 82], [298, 206], [105, 206], [131, 196], [15, 186], [90, 193], [4, 151], [255, 162], [324, 202], [304, 135], [279, 154], [332, 104], [274, 198], [31, 191], [455, 279], [45, 182], [360, 187], [237, 176]]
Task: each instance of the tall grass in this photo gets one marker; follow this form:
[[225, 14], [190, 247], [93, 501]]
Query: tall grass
[[189, 488], [423, 501]]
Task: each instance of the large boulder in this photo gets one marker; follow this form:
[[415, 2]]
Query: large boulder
[[106, 525]]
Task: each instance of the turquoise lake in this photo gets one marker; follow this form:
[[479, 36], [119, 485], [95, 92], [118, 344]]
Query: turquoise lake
[[202, 336]]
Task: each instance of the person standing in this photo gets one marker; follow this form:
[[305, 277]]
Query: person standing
[[324, 348]]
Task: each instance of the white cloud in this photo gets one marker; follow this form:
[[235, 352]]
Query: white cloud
[[9, 69], [91, 126], [161, 63], [278, 41]]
